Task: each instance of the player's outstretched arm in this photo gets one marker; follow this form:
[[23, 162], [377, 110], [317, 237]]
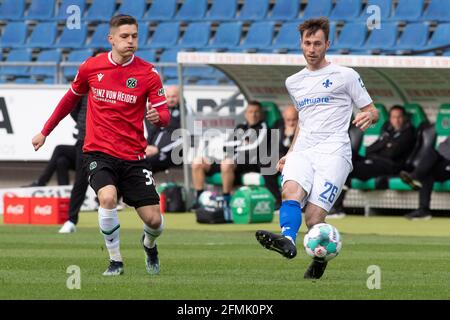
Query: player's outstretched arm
[[367, 117], [38, 141]]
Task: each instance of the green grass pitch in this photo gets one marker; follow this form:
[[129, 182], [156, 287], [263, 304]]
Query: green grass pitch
[[225, 261]]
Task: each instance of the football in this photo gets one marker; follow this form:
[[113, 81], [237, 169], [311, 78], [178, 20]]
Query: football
[[323, 241], [209, 199]]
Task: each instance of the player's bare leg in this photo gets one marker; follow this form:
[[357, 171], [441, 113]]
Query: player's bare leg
[[200, 166], [153, 227], [290, 221], [108, 220], [314, 215], [227, 168]]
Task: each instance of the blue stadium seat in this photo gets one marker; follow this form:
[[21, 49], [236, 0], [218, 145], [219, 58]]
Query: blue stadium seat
[[440, 37], [17, 55], [143, 31], [346, 10], [259, 36], [317, 8], [43, 35], [161, 10], [385, 9], [352, 36], [437, 10], [147, 55], [46, 71], [14, 35], [408, 10], [414, 37], [99, 38], [228, 36], [12, 9], [165, 36], [25, 80], [41, 10], [72, 38], [169, 56], [65, 5], [222, 10], [383, 38], [192, 10], [101, 10], [446, 53], [285, 10], [75, 56], [196, 36], [288, 38], [135, 8], [254, 10]]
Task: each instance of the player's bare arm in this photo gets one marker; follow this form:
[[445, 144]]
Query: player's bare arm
[[282, 160], [367, 117]]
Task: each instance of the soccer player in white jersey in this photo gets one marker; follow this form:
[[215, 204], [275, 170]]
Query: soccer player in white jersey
[[319, 159]]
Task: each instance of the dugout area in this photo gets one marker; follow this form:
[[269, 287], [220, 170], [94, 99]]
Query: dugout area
[[421, 84]]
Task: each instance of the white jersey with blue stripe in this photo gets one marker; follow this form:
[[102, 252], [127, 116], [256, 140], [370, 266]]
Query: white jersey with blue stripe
[[324, 99]]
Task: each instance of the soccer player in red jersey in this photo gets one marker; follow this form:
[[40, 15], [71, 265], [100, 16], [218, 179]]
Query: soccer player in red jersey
[[118, 85]]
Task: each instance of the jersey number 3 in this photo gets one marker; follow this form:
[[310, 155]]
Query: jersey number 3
[[330, 192], [148, 176]]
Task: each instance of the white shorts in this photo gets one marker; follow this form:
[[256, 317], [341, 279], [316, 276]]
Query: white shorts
[[320, 175]]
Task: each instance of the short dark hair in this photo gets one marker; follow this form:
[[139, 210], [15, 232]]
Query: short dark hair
[[121, 19], [255, 103], [311, 26], [398, 107]]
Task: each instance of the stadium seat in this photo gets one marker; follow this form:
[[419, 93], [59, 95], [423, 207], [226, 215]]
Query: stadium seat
[[196, 36], [222, 10], [373, 132], [143, 32], [169, 56], [352, 36], [14, 35], [24, 80], [317, 8], [43, 35], [383, 38], [101, 10], [408, 10], [288, 38], [147, 55], [437, 10], [416, 113], [228, 36], [161, 10], [259, 36], [254, 10], [285, 10], [271, 113], [440, 37], [165, 36], [75, 56], [192, 10], [65, 5], [17, 55], [385, 9], [414, 37], [41, 10], [99, 39], [12, 10], [46, 71], [135, 8], [72, 38], [346, 10]]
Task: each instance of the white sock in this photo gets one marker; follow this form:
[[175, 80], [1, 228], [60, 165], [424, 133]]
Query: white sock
[[152, 234], [108, 221]]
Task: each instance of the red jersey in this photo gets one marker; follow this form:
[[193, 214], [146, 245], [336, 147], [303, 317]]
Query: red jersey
[[117, 103]]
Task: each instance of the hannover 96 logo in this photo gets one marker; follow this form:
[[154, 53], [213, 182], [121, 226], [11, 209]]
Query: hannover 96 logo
[[131, 83]]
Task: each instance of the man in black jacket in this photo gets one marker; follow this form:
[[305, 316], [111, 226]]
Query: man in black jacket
[[242, 155], [160, 143], [386, 156], [435, 166]]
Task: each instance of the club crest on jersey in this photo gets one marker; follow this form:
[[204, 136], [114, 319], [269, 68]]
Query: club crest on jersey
[[327, 83], [131, 83]]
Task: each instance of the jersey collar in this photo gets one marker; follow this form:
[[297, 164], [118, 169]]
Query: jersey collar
[[122, 65]]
